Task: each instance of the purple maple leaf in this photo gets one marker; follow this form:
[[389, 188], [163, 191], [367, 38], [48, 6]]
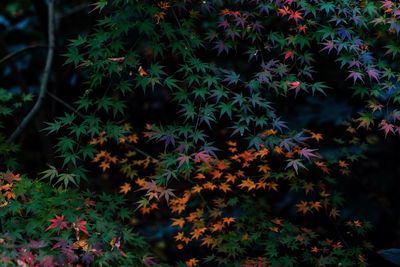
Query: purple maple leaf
[[37, 244], [224, 24], [386, 127], [221, 47], [202, 156], [353, 63], [87, 258], [328, 45], [295, 164], [257, 27], [308, 153], [373, 74], [277, 123], [149, 261], [355, 75]]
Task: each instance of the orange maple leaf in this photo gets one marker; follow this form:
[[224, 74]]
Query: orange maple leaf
[[196, 233], [217, 227], [178, 222], [264, 168], [225, 187], [228, 220], [104, 165], [200, 176], [303, 207], [247, 183], [230, 178], [316, 205], [197, 188], [192, 262], [316, 136], [208, 241], [142, 72], [125, 188], [272, 186], [209, 186]]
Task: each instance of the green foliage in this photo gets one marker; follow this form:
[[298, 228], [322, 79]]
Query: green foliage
[[27, 232]]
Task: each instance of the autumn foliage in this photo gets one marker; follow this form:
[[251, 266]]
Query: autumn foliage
[[183, 149]]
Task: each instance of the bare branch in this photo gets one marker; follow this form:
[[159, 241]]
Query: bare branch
[[45, 77], [13, 54]]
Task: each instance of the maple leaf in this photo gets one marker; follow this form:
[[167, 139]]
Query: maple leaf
[[302, 207], [373, 74], [386, 127], [208, 241], [328, 45], [343, 164], [125, 188], [197, 188], [221, 47], [192, 262], [196, 233], [178, 222], [200, 176], [308, 153], [225, 187], [295, 15], [294, 85], [288, 54], [317, 137], [375, 105], [230, 178], [295, 164], [217, 227], [104, 165], [79, 225], [355, 76], [149, 261], [334, 213], [308, 187], [216, 174], [142, 72], [166, 193], [316, 205], [247, 183], [202, 156], [228, 220], [209, 186], [224, 24], [183, 159], [58, 223], [272, 186]]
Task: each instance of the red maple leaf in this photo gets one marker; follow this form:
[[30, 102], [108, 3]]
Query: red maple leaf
[[79, 225], [289, 54], [294, 85], [295, 15], [58, 223]]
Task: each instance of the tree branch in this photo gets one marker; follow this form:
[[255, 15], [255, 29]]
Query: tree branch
[[45, 77], [13, 54]]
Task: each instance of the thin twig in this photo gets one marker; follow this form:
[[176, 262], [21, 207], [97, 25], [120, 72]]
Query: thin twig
[[68, 106], [45, 78], [13, 54]]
